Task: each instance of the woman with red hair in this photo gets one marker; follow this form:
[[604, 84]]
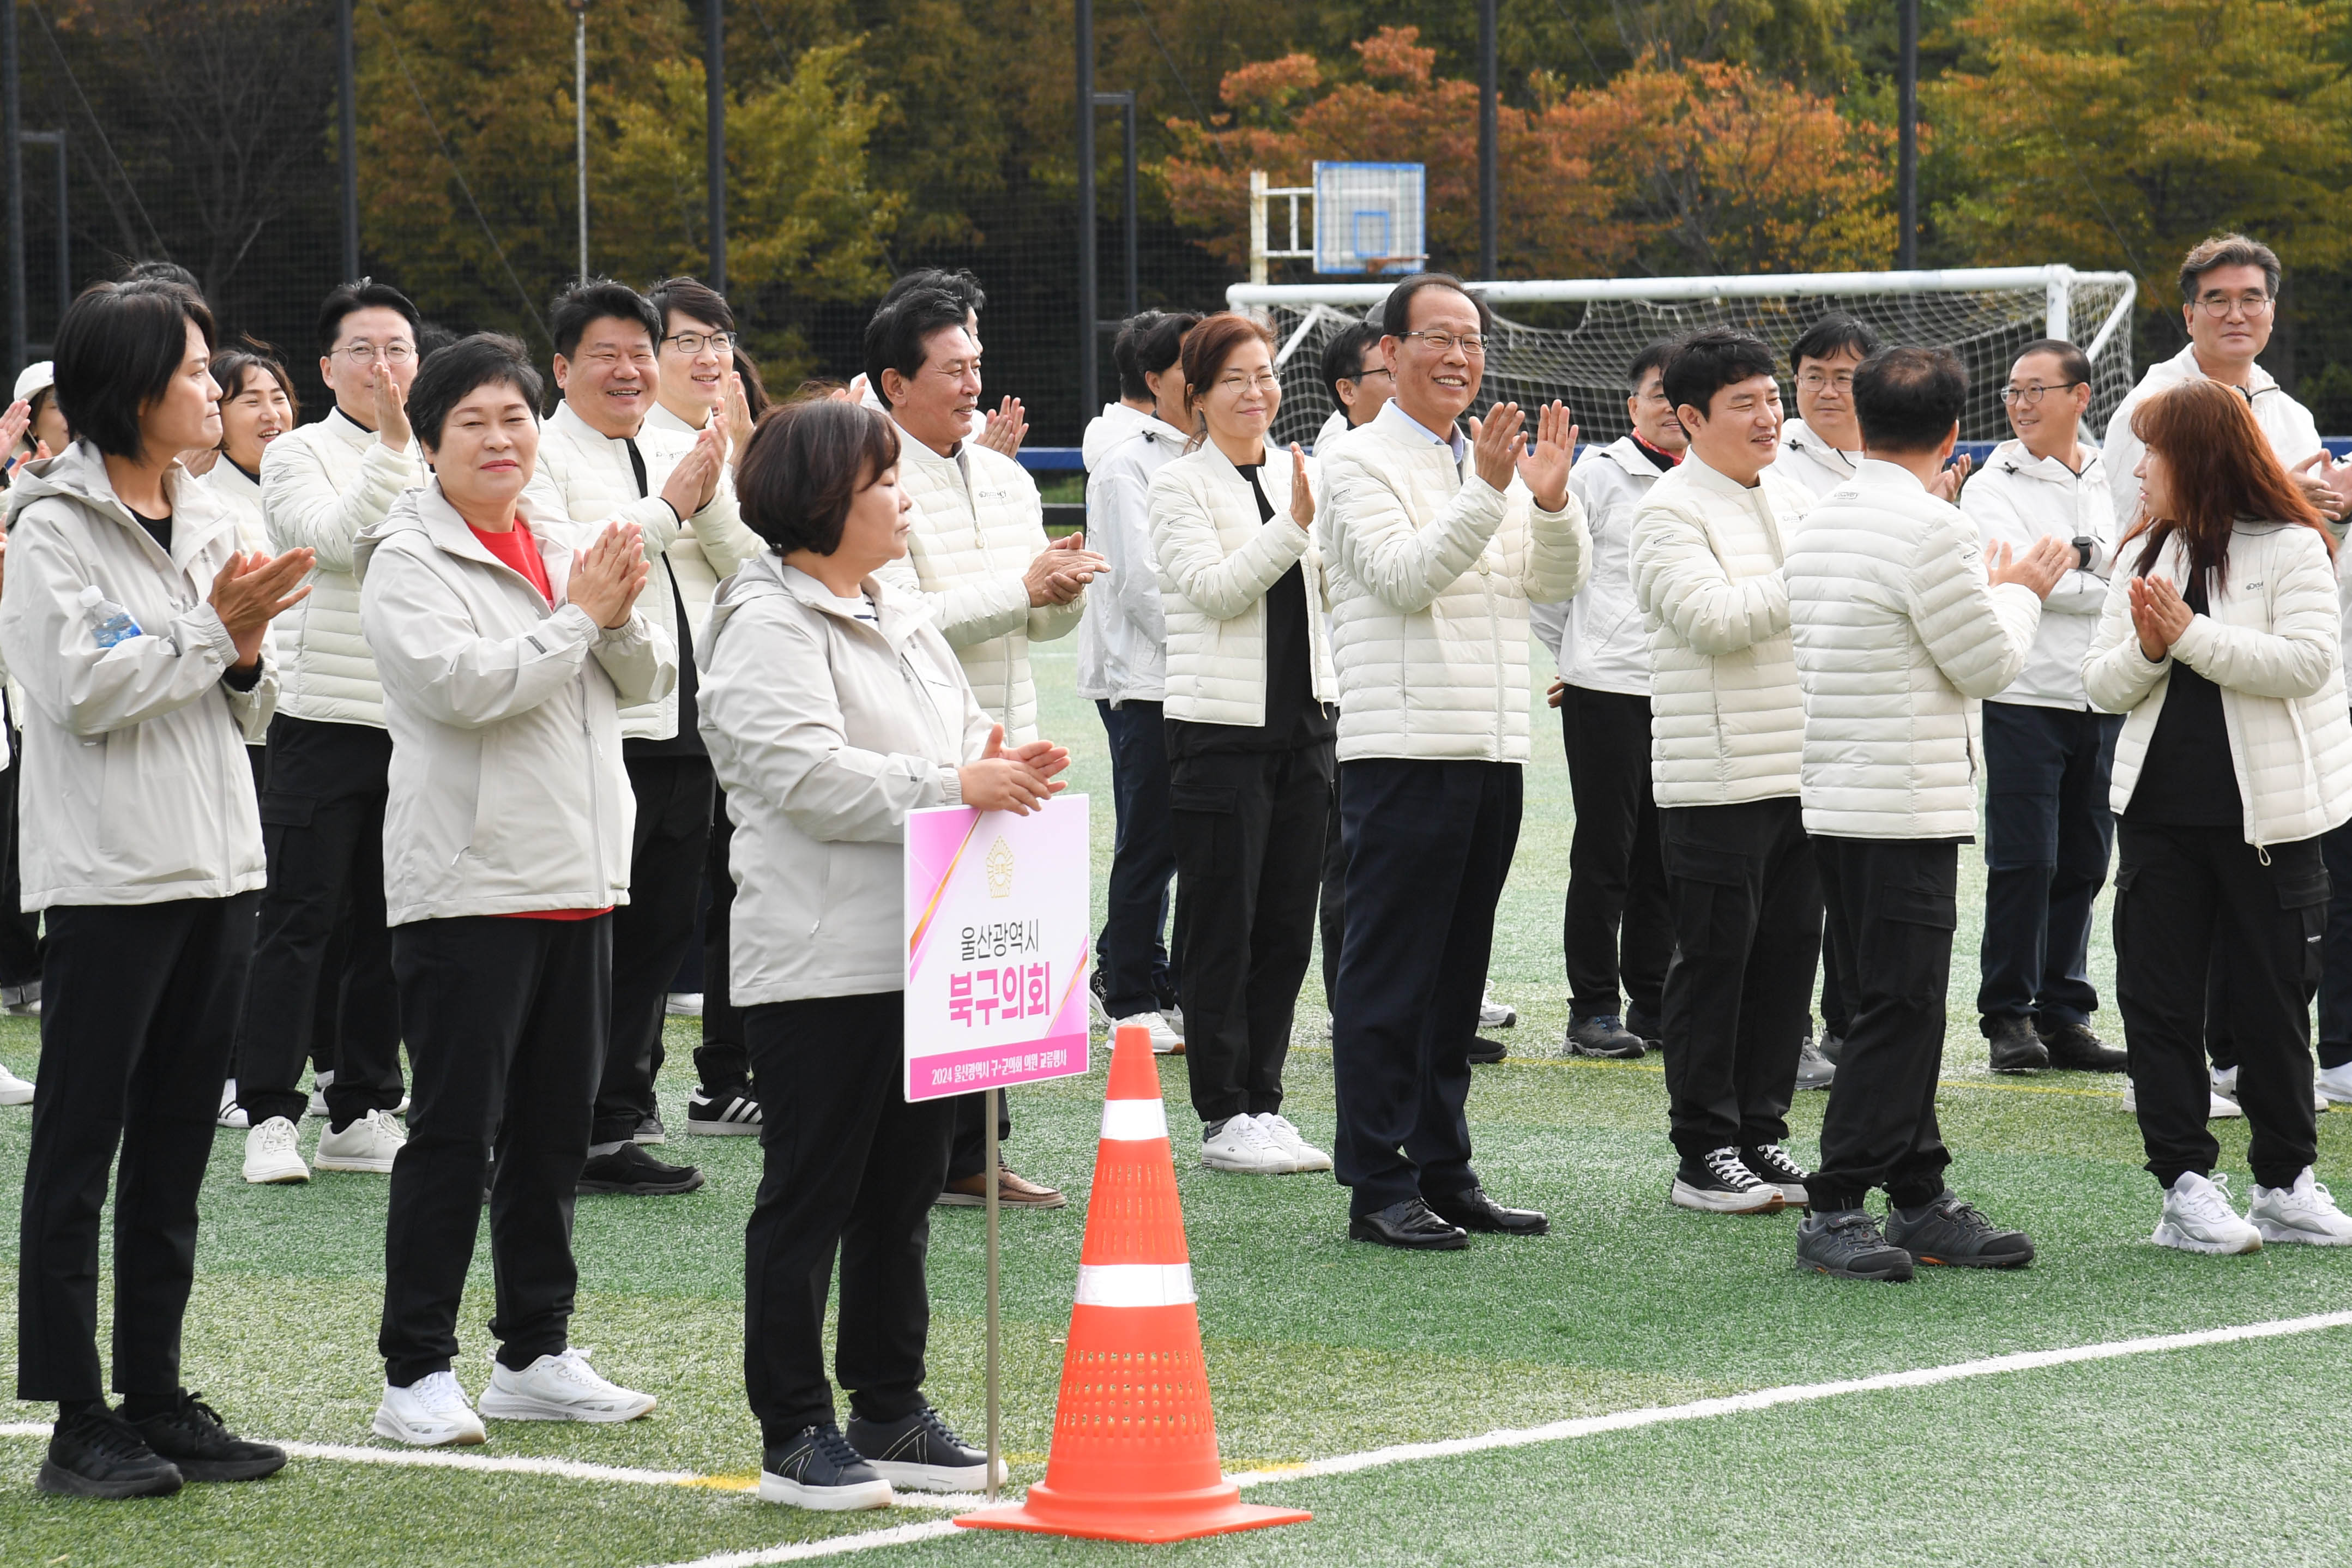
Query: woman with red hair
[[2221, 643]]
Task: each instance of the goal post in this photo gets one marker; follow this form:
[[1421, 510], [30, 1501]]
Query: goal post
[[1573, 339]]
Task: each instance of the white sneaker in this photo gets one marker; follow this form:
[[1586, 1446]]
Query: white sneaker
[[232, 1114], [683, 1003], [1494, 1015], [2224, 1103], [2335, 1084], [560, 1388], [2198, 1218], [319, 1083], [1240, 1144], [1304, 1156], [14, 1090], [368, 1144], [430, 1413], [2304, 1212], [1165, 1041], [1175, 1016], [270, 1154]]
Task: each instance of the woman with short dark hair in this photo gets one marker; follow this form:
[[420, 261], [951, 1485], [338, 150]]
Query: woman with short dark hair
[[506, 644], [2222, 642], [833, 708], [138, 630]]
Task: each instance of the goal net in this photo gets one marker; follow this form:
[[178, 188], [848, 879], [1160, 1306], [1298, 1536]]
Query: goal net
[[1573, 340]]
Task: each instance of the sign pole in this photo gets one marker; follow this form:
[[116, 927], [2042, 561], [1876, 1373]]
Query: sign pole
[[989, 1101]]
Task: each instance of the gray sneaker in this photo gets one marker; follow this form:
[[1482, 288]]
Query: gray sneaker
[[1604, 1035], [1846, 1243], [1951, 1233], [1814, 1070]]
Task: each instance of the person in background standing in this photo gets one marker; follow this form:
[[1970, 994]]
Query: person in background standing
[[2048, 754], [1353, 374], [140, 633], [1000, 429], [1123, 670], [36, 430], [322, 963], [1133, 409]]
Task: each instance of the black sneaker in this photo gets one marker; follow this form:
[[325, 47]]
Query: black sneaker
[[2075, 1048], [2015, 1047], [723, 1112], [1718, 1182], [1485, 1053], [191, 1435], [817, 1469], [629, 1169], [1950, 1233], [650, 1129], [98, 1454], [1604, 1035], [1814, 1070], [1771, 1163], [1846, 1243], [919, 1452]]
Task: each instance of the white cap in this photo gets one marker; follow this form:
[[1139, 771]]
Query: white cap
[[38, 377], [90, 595]]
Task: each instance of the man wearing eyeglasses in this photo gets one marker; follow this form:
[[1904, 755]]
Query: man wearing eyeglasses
[[1434, 543], [321, 984], [698, 370], [602, 457], [1360, 382], [2048, 753]]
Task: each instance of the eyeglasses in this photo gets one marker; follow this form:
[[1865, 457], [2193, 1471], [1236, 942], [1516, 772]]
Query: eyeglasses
[[1814, 380], [2027, 396], [2218, 306], [1367, 372], [691, 343], [367, 354], [1446, 342], [1239, 382]]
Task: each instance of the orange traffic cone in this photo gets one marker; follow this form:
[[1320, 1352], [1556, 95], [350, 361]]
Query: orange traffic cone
[[1135, 1447]]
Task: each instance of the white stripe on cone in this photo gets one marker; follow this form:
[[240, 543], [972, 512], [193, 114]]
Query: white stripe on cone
[[1135, 1284], [1134, 1120]]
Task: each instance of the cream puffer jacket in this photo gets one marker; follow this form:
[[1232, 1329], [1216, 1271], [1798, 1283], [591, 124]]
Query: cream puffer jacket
[[585, 475], [2270, 641], [2017, 499], [1123, 638], [508, 795], [1898, 636], [239, 495], [1217, 563], [1430, 570], [135, 787], [825, 730], [1727, 720], [2294, 433], [1598, 638], [321, 486], [978, 523]]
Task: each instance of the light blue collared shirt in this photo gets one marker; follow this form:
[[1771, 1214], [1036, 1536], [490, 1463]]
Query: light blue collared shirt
[[1404, 424]]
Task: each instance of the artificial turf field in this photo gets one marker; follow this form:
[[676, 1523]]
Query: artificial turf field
[[2227, 1452]]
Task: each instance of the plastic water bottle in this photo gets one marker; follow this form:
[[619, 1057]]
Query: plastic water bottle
[[110, 622]]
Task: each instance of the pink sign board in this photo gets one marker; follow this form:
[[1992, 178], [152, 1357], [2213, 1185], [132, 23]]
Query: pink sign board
[[997, 947]]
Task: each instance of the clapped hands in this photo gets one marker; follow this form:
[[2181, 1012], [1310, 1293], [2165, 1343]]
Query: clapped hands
[[1018, 781], [2158, 614], [1006, 428], [695, 480], [2040, 568], [607, 576], [2325, 484], [250, 591], [1062, 571], [1499, 445], [1302, 498]]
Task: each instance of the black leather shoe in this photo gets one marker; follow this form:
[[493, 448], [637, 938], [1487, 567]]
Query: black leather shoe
[[2014, 1047], [2075, 1048], [1474, 1210], [1409, 1224], [1484, 1052]]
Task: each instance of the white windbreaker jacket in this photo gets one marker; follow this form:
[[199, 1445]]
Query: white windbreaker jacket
[[978, 523], [1811, 463], [1597, 638], [825, 730], [240, 497], [2017, 499], [2294, 435], [585, 475], [1105, 431], [2270, 641], [1123, 638], [1430, 570], [507, 790], [1900, 635], [135, 787], [322, 485], [1727, 720], [1216, 564]]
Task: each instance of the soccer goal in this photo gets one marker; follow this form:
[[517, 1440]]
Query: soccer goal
[[1573, 339]]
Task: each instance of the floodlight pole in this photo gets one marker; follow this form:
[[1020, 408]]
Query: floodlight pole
[[1906, 252], [347, 134], [580, 108], [714, 85], [1089, 391], [12, 152], [1489, 135]]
